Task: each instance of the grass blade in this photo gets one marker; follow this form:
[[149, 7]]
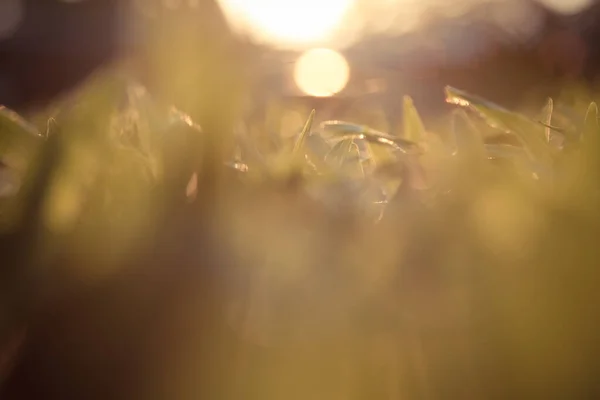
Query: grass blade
[[305, 131], [529, 132], [547, 118], [339, 152], [467, 141], [18, 138], [414, 130], [591, 130], [346, 130]]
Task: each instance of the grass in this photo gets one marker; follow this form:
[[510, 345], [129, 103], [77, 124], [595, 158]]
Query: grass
[[454, 264]]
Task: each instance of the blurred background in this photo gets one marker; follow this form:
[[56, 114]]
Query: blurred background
[[267, 62], [512, 51]]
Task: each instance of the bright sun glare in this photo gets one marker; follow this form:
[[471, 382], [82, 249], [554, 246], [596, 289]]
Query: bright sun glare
[[288, 21], [321, 72]]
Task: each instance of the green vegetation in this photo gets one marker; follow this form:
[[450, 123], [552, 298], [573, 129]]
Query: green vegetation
[[423, 266]]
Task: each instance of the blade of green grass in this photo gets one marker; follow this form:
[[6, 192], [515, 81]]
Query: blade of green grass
[[346, 130], [547, 118], [591, 130], [339, 152], [305, 131], [414, 130], [345, 157], [529, 132], [18, 139], [468, 142]]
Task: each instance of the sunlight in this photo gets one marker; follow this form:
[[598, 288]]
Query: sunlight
[[568, 7], [287, 21], [321, 72]]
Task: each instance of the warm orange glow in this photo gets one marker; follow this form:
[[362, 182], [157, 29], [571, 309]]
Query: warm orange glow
[[321, 72], [568, 7], [287, 21]]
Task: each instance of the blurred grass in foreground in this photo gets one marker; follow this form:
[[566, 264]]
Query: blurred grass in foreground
[[344, 262]]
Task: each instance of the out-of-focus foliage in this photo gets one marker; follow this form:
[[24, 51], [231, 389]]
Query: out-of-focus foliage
[[366, 265]]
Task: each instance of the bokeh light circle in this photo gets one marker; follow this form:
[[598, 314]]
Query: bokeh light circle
[[321, 72]]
